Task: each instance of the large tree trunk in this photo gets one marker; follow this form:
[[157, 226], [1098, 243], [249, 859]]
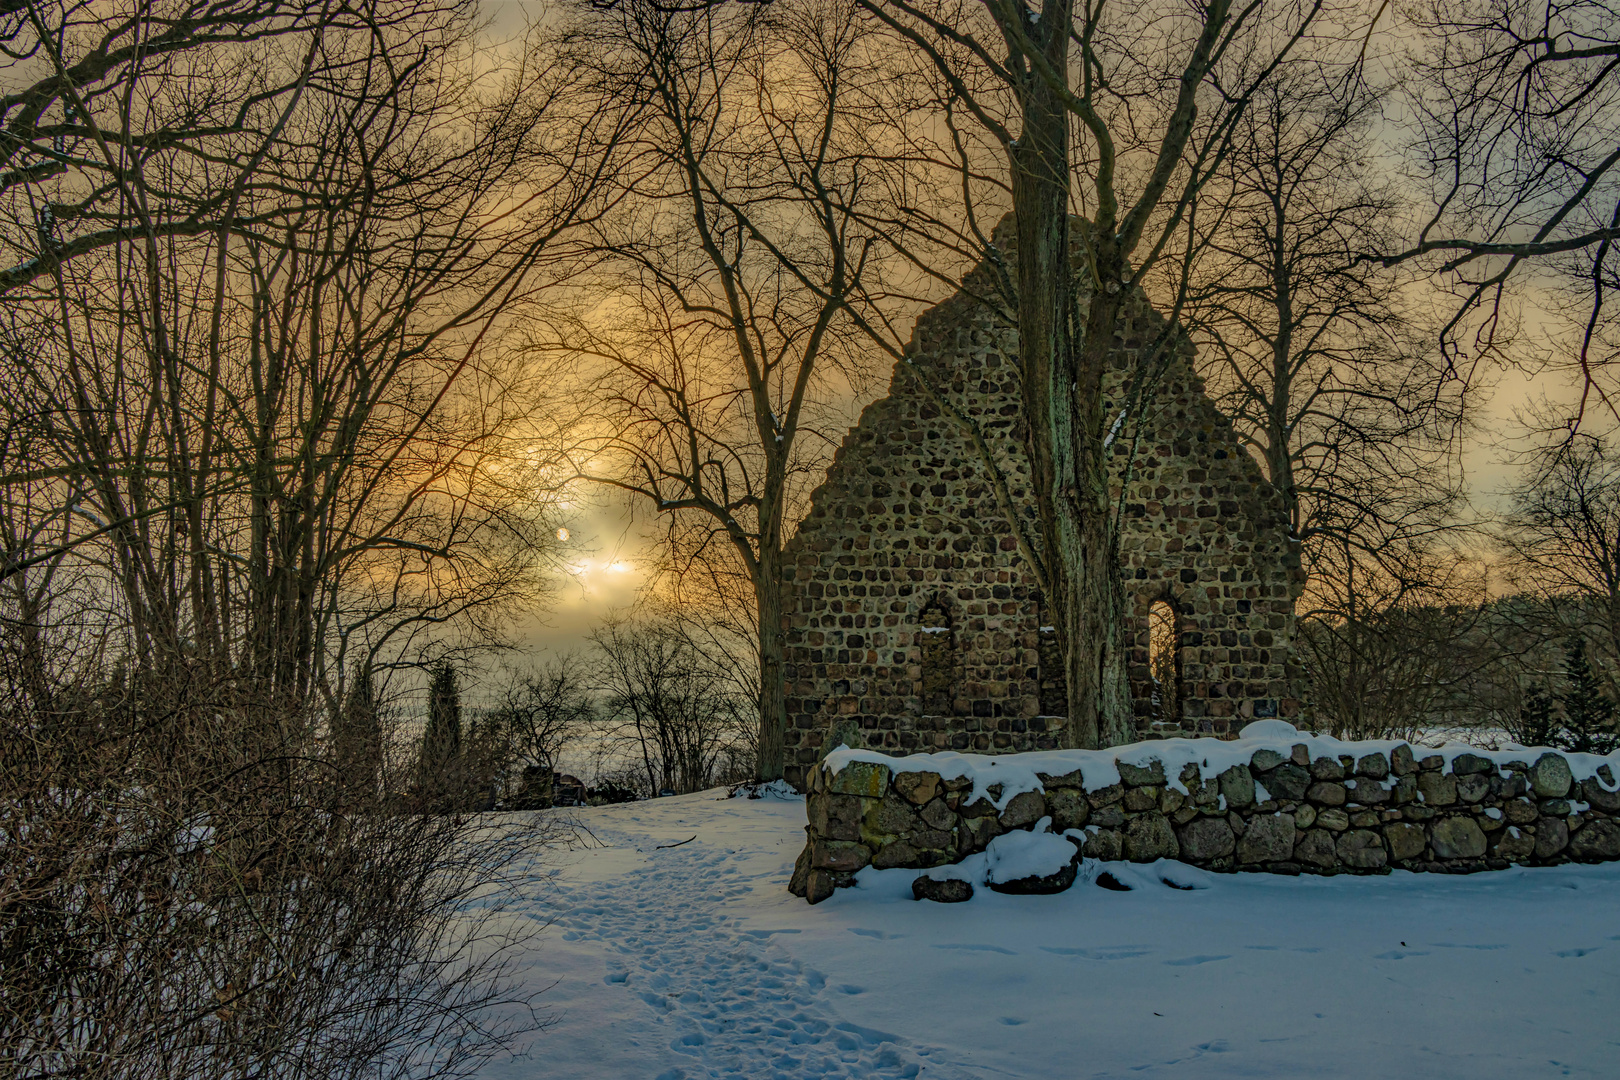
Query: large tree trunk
[[1062, 391], [1099, 615], [772, 694]]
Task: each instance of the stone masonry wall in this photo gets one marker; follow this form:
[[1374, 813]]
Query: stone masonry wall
[[905, 575], [1364, 809]]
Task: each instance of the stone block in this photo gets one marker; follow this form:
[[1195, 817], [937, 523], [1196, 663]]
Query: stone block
[[901, 854], [1138, 776], [1287, 781], [1071, 779], [1334, 819], [1326, 768], [1600, 797], [1139, 799], [1304, 816], [1106, 796], [1472, 787], [949, 891], [937, 815], [1401, 762], [1405, 840], [818, 886], [1520, 812], [1471, 765], [1148, 837], [1367, 791], [975, 834], [1599, 841], [1437, 789], [1550, 777], [918, 788], [1068, 807], [1373, 766], [1515, 845], [1237, 784], [890, 816], [1363, 849], [1457, 838], [1265, 760], [1041, 884], [1023, 810], [1206, 838], [1104, 845], [798, 884], [1315, 847], [1552, 837], [836, 817], [1326, 793], [865, 778], [1269, 838], [839, 855]]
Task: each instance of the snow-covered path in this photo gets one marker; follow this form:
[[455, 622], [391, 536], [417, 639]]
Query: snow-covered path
[[689, 961], [728, 1003]]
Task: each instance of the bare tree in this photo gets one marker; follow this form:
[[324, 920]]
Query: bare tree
[[671, 708], [1331, 379], [1516, 135], [736, 259], [1387, 660], [252, 451], [1561, 539], [283, 448], [103, 95], [541, 711], [1154, 92]]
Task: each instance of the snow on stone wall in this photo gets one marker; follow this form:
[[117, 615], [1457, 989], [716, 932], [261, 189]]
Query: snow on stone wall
[[1274, 800]]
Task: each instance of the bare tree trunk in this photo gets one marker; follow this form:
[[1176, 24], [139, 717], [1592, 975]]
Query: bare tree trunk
[[772, 692], [1062, 388]]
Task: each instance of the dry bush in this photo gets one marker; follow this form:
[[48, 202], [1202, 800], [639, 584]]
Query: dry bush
[[181, 896]]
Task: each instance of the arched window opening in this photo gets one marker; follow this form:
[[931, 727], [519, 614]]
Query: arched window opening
[[938, 659], [1164, 660]]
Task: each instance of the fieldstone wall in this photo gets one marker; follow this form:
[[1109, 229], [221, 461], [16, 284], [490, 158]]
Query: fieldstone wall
[[913, 625], [1285, 811]]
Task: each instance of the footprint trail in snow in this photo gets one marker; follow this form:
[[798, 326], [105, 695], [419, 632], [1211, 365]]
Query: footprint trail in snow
[[734, 1004]]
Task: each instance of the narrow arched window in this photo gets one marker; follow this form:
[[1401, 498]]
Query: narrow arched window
[[1164, 660], [938, 659]]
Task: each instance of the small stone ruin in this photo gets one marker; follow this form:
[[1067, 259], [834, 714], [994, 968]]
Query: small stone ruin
[[912, 624], [1275, 800]]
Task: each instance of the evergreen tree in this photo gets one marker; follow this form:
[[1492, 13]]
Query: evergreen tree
[[1589, 725], [357, 739], [438, 767], [1537, 724]]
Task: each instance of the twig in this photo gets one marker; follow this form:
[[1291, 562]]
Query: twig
[[688, 840]]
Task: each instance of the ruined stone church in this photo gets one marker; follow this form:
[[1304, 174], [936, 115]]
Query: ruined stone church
[[913, 625]]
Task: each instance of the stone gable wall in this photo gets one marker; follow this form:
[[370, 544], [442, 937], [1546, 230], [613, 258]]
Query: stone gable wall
[[908, 518]]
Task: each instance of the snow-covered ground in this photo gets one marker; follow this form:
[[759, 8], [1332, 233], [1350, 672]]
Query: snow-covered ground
[[693, 961]]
